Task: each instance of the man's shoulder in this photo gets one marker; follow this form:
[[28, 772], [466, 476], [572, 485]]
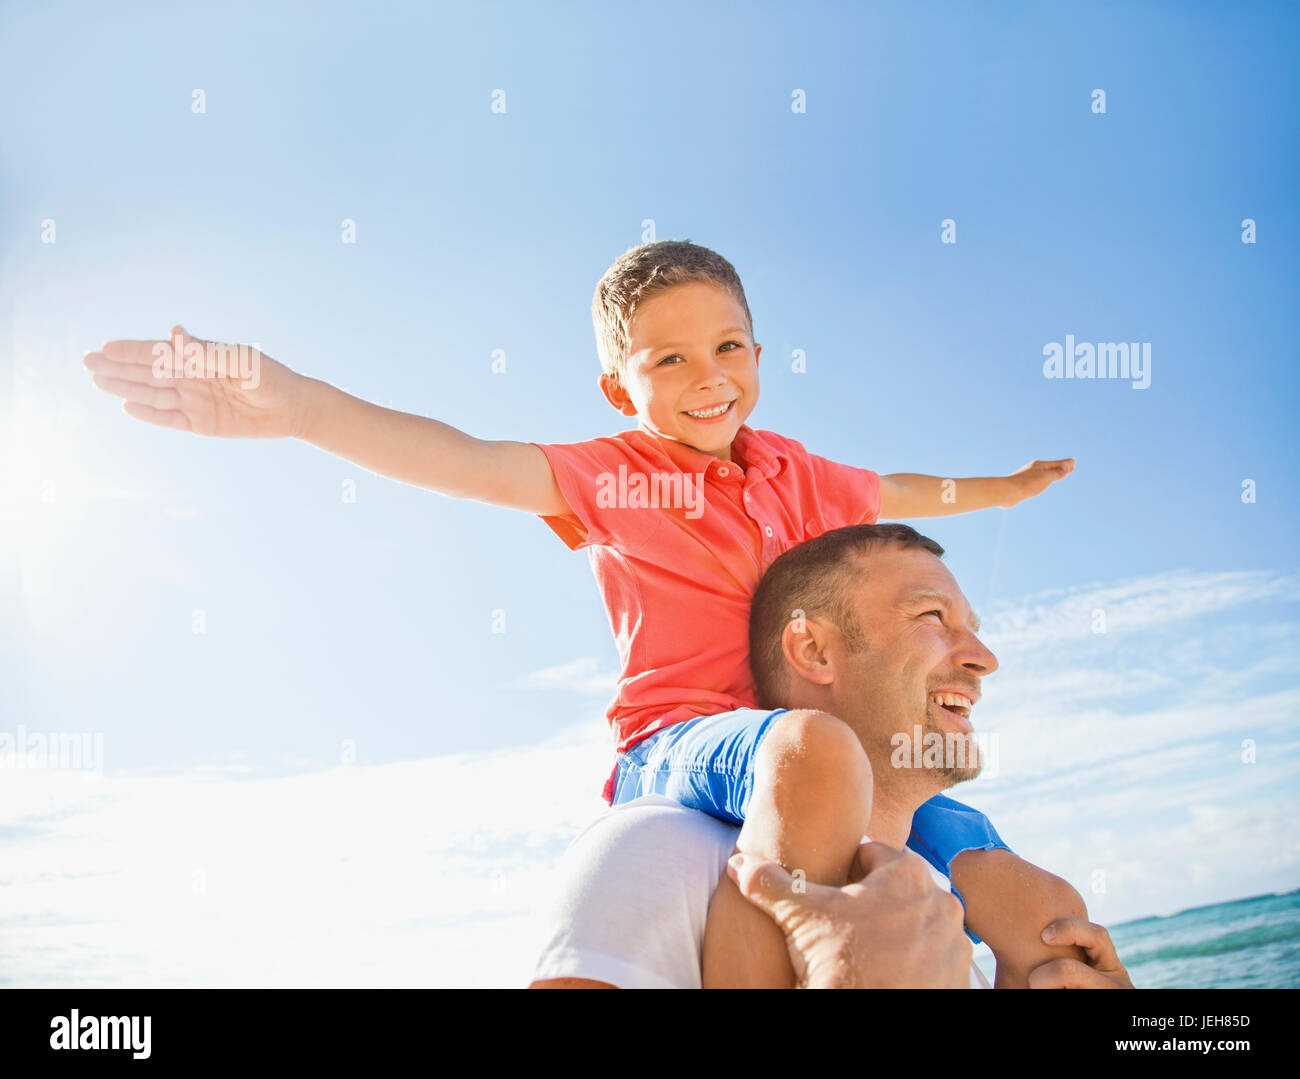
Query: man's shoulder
[[633, 897], [661, 819], [633, 842]]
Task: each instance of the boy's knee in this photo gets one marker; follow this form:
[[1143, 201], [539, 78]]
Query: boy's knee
[[809, 740], [812, 795]]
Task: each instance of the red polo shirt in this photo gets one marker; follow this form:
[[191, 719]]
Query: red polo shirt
[[678, 541]]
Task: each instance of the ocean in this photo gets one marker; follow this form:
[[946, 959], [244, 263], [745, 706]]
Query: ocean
[[1245, 944]]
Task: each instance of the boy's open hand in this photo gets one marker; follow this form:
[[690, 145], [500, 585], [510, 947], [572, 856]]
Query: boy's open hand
[[223, 391], [1034, 478]]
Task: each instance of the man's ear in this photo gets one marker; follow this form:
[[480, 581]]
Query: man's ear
[[803, 644], [616, 394]]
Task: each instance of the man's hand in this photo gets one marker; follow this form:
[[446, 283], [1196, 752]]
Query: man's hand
[[1103, 970], [1034, 478], [890, 929], [223, 391]]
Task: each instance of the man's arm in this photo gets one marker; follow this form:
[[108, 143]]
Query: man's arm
[[905, 495], [1008, 901]]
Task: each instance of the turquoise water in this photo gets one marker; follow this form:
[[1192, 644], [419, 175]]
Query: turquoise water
[[1245, 944]]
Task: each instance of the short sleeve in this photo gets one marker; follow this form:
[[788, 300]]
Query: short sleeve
[[846, 495], [617, 916], [830, 492], [943, 827], [587, 474]]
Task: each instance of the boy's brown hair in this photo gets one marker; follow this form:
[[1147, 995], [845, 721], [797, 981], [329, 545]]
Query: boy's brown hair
[[641, 272]]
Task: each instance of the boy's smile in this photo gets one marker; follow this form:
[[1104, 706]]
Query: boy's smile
[[692, 369]]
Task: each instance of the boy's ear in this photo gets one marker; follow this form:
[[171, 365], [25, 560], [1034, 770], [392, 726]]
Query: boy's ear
[[616, 394], [757, 349]]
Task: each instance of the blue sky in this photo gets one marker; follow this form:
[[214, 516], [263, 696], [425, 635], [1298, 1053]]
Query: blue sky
[[371, 622]]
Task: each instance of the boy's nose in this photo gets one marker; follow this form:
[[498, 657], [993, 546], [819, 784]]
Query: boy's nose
[[712, 375]]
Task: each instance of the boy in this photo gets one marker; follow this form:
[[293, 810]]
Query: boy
[[680, 517]]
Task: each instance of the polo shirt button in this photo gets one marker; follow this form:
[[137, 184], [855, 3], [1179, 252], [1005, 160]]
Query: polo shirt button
[[812, 527], [768, 530], [724, 471]]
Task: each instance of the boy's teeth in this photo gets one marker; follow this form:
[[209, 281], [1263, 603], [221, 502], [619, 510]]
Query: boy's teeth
[[708, 413]]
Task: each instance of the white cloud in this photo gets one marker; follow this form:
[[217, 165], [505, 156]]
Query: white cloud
[[421, 873], [1131, 606], [581, 676]]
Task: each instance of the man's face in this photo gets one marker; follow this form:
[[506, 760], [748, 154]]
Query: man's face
[[920, 666], [690, 355]]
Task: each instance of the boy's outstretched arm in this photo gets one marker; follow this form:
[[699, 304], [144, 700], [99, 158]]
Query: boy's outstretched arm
[[1008, 903], [908, 494], [208, 393]]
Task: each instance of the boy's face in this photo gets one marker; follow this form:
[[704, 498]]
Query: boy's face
[[690, 354]]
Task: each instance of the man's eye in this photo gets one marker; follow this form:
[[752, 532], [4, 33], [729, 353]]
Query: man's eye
[[937, 614]]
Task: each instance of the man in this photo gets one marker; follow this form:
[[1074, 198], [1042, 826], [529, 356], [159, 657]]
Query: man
[[867, 624]]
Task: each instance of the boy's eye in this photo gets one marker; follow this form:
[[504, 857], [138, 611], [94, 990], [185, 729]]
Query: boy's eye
[[674, 356]]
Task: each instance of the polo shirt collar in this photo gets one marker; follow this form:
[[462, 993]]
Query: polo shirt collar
[[749, 447]]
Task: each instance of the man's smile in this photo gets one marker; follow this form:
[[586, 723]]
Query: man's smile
[[956, 704]]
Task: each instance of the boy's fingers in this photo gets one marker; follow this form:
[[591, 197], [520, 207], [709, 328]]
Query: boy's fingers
[[158, 417], [131, 351], [154, 397], [100, 364], [126, 351]]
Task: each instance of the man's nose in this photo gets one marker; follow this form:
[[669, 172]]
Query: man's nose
[[975, 657]]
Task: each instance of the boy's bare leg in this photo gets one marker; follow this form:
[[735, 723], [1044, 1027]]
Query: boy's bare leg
[[809, 810]]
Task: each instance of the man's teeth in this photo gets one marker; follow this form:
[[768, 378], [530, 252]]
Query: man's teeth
[[709, 413], [958, 702]]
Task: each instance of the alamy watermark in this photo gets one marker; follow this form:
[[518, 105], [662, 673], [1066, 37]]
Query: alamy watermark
[[651, 490], [72, 750], [208, 359], [946, 751], [1106, 359]]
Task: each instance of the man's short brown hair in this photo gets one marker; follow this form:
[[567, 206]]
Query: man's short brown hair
[[816, 578]]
